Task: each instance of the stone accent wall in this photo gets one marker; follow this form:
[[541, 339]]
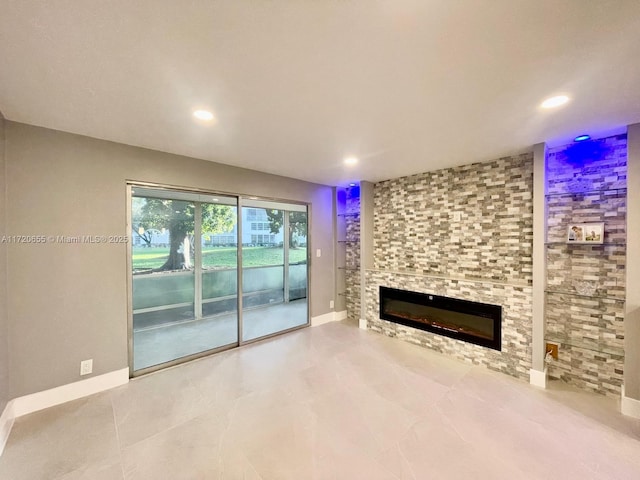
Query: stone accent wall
[[416, 228], [485, 256], [586, 289], [515, 357], [352, 253]]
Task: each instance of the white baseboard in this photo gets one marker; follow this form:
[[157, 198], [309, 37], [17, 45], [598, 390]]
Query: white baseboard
[[362, 324], [328, 317], [629, 406], [342, 315], [71, 391], [55, 396], [6, 423], [322, 319], [538, 378]]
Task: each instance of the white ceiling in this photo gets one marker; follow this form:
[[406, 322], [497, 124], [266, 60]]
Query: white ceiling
[[295, 85]]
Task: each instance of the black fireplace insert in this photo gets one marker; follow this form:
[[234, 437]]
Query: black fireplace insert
[[473, 322]]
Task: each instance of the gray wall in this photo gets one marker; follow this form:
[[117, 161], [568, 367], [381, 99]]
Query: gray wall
[[632, 315], [68, 302], [4, 342]]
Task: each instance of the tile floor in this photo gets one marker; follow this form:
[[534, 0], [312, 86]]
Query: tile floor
[[329, 402]]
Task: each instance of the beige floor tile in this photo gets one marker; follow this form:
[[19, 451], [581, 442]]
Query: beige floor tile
[[284, 446], [152, 404], [323, 378], [342, 459], [533, 449], [435, 450], [236, 466], [53, 442], [107, 470], [190, 451], [395, 462], [331, 402], [410, 390]]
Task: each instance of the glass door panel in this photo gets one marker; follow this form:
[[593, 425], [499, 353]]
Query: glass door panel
[[266, 272], [219, 271], [262, 268], [184, 295], [297, 268]]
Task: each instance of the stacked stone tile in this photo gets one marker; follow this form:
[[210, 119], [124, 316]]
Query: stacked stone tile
[[587, 184], [484, 257], [415, 229], [352, 253], [515, 357]]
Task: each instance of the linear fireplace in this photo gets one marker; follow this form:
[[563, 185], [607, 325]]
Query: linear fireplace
[[472, 322]]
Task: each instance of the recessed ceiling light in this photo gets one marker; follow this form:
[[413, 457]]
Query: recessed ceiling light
[[582, 138], [205, 115], [350, 160], [554, 102]]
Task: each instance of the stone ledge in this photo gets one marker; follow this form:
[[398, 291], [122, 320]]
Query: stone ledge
[[448, 277]]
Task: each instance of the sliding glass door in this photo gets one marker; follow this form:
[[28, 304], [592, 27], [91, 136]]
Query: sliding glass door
[[184, 288], [194, 291], [274, 268]]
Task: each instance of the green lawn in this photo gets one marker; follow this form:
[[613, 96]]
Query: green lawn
[[222, 257]]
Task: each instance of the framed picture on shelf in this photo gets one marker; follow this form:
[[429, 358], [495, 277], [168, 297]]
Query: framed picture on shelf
[[590, 233]]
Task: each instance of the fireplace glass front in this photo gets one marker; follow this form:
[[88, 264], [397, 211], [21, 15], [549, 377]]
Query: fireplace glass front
[[472, 322]]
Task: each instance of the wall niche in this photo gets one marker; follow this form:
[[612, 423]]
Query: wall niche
[[585, 288]]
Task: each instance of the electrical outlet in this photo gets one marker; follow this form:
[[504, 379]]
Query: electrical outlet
[[457, 216], [86, 367], [553, 348], [318, 252], [331, 304]]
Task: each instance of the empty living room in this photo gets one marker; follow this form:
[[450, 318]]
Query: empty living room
[[338, 239]]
